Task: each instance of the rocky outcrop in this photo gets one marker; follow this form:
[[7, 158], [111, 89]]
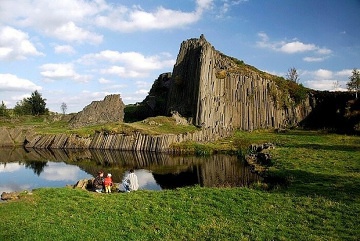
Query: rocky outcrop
[[58, 141], [11, 196], [10, 137], [153, 143], [103, 140], [154, 104], [213, 90], [111, 109], [133, 142], [259, 157]]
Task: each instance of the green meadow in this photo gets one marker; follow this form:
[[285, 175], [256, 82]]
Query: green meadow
[[317, 198]]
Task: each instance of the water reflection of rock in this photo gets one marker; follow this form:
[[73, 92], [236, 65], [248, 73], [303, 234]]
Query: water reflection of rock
[[168, 171]]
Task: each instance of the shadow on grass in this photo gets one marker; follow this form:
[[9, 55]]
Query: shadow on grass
[[336, 188]]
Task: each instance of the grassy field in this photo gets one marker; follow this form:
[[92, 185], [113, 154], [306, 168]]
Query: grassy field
[[320, 202]]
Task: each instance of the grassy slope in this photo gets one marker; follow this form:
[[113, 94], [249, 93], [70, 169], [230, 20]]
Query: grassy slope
[[322, 202], [152, 125]]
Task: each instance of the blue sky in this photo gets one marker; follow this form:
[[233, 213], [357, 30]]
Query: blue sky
[[78, 51]]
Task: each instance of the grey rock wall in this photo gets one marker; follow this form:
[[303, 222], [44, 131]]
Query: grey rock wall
[[207, 87], [111, 109], [134, 142]]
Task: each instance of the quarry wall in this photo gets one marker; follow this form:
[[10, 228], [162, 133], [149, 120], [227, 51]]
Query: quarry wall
[[211, 91], [208, 88], [103, 140], [111, 109]]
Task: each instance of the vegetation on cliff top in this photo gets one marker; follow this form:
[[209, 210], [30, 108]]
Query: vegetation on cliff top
[[59, 124], [321, 202], [288, 88]]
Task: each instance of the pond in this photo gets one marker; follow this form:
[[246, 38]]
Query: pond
[[22, 169]]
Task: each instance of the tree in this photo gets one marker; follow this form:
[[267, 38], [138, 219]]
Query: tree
[[22, 107], [3, 110], [38, 104], [292, 75], [34, 105], [63, 107], [354, 82]]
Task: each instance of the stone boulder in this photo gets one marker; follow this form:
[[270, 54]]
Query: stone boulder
[[8, 196], [111, 109], [259, 157]]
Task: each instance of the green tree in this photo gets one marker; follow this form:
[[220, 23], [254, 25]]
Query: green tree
[[354, 82], [33, 105], [22, 107], [3, 109], [38, 104]]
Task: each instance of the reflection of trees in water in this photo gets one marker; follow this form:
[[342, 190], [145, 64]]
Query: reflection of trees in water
[[169, 171], [188, 177], [227, 171], [37, 166]]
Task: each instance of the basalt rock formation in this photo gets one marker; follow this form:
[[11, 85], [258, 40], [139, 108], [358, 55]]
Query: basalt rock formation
[[132, 142], [111, 109], [213, 90]]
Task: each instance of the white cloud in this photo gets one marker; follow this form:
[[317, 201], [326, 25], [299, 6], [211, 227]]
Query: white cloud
[[323, 51], [320, 84], [66, 20], [323, 79], [72, 33], [67, 49], [142, 92], [344, 73], [57, 71], [128, 64], [15, 45], [146, 180], [104, 81], [9, 82], [75, 20], [142, 84], [314, 59], [123, 19], [123, 72], [62, 71], [10, 167], [323, 74], [292, 47], [295, 47], [60, 172], [115, 87]]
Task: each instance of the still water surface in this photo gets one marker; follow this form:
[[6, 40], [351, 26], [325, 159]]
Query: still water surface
[[22, 169]]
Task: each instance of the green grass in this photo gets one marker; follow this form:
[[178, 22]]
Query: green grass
[[182, 214], [46, 125], [321, 201]]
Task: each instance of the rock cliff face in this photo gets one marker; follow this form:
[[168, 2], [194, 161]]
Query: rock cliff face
[[212, 90], [209, 89], [134, 142], [111, 109]]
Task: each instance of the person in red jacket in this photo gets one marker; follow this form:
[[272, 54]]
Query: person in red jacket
[[108, 183]]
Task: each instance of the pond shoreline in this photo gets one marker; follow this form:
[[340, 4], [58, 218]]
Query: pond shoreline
[[12, 137]]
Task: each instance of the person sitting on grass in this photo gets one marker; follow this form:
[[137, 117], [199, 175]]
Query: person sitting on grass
[[108, 183], [130, 182], [98, 183]]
